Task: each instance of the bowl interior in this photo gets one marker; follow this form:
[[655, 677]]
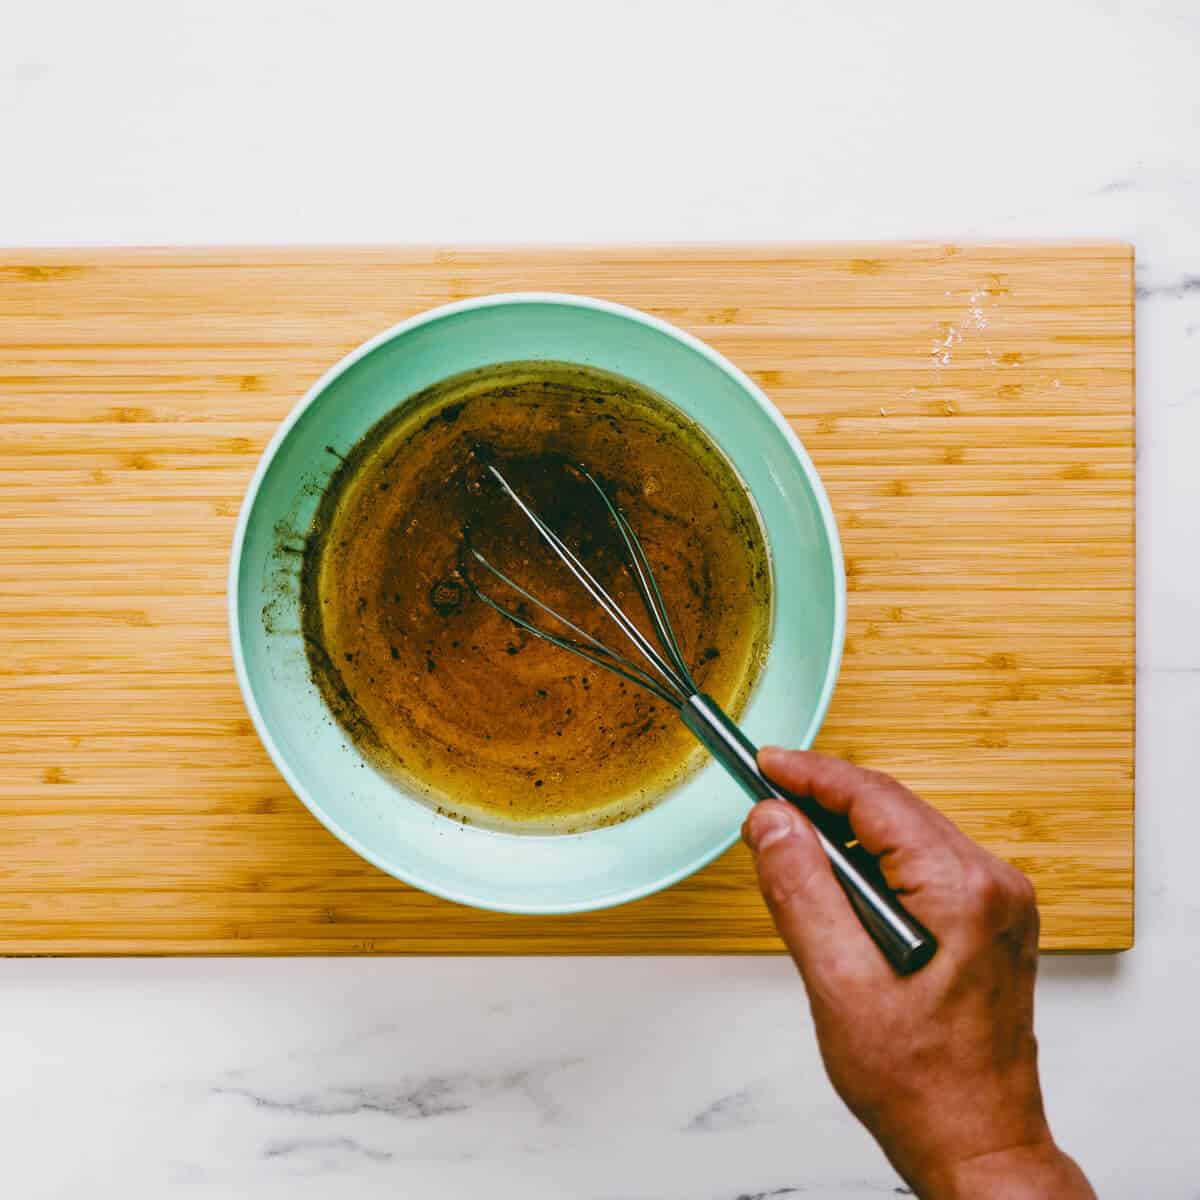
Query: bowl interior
[[512, 872]]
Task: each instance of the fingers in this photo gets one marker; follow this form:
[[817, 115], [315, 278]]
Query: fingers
[[964, 894], [808, 905], [885, 815]]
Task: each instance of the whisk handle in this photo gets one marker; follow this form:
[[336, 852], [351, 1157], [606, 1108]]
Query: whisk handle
[[906, 944]]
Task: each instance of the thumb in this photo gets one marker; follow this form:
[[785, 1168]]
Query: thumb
[[810, 910]]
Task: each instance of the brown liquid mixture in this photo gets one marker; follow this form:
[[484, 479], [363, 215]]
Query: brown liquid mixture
[[485, 721]]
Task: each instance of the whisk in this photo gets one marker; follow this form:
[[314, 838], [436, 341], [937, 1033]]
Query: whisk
[[664, 672]]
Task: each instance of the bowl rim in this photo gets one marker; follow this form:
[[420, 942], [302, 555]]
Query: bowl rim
[[429, 317]]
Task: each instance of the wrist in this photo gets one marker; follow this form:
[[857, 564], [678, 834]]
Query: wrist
[[1030, 1172]]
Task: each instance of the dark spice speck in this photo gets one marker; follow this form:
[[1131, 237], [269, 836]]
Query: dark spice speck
[[447, 596]]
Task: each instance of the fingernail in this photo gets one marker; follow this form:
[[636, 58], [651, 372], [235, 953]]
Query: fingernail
[[767, 824]]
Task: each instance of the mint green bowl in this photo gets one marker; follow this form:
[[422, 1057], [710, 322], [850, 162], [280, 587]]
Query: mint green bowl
[[372, 814]]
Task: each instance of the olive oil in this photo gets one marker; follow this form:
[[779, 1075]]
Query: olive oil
[[476, 716]]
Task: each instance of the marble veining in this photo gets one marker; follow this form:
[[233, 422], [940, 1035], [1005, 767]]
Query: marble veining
[[409, 1100], [735, 1111], [1176, 289], [327, 1148]]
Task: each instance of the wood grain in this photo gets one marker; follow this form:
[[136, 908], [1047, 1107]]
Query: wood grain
[[970, 409]]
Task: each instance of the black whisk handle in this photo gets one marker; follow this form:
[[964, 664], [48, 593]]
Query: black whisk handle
[[906, 943]]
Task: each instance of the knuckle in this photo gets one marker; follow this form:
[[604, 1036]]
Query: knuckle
[[997, 896], [784, 877], [780, 889], [1018, 887], [985, 897], [881, 780], [1025, 916], [787, 889], [1024, 893], [1033, 929]]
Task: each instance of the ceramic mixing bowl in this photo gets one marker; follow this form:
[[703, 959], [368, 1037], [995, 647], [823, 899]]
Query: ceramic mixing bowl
[[372, 813]]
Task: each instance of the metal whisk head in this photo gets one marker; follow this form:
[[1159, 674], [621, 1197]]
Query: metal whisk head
[[664, 672]]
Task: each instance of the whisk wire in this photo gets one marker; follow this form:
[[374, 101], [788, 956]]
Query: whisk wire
[[647, 587], [595, 590], [516, 587], [589, 647]]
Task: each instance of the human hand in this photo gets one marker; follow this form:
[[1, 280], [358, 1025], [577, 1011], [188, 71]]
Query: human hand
[[940, 1066]]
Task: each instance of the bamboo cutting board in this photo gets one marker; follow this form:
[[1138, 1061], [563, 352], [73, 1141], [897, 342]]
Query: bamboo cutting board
[[970, 410]]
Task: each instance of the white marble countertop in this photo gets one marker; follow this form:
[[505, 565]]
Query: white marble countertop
[[651, 1079]]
